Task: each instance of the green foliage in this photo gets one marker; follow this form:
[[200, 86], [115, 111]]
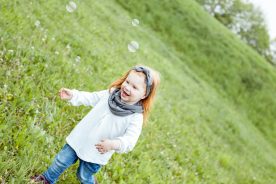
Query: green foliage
[[245, 20], [213, 120]]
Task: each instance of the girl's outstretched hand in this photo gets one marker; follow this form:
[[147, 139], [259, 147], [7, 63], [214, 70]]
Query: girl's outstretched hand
[[65, 94]]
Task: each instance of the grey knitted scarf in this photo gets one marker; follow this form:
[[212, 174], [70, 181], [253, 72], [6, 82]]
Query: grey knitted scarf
[[120, 108]]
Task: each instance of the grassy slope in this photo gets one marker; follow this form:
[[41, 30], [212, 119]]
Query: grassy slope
[[201, 130]]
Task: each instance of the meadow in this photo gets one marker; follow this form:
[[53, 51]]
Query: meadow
[[214, 116]]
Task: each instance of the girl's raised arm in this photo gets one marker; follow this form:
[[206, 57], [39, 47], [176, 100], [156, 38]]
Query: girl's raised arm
[[86, 98]]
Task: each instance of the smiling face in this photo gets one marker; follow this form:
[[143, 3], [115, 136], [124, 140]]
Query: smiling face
[[133, 88]]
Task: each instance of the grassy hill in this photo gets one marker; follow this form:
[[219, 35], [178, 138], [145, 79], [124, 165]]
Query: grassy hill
[[213, 120]]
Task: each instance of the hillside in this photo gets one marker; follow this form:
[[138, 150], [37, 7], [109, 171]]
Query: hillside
[[213, 120]]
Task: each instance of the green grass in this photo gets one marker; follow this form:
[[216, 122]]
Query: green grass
[[213, 120]]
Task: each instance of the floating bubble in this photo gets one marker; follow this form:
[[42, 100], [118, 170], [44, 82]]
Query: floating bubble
[[133, 46], [56, 53], [37, 23], [135, 22], [71, 6]]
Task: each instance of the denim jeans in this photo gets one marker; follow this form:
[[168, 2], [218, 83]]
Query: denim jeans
[[65, 158]]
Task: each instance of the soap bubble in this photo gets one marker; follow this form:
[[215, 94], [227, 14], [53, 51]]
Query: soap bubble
[[135, 22], [133, 46], [71, 6]]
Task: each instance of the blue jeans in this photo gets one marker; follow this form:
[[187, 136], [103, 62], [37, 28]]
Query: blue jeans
[[65, 158]]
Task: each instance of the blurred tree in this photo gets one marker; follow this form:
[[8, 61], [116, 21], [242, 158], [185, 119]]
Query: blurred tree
[[244, 20], [273, 50]]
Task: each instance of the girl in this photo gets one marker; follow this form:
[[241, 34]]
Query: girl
[[113, 125]]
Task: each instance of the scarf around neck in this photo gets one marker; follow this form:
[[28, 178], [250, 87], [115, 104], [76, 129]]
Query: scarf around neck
[[120, 108]]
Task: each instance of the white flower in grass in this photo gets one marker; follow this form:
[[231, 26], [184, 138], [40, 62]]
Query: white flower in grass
[[71, 6]]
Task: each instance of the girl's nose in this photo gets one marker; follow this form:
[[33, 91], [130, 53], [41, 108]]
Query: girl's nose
[[127, 89]]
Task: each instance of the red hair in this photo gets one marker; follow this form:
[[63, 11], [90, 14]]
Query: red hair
[[147, 102]]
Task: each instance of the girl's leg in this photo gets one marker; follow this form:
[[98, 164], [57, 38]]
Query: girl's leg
[[66, 157], [86, 170]]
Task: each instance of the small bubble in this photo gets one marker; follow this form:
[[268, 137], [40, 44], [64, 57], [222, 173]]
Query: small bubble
[[53, 38], [133, 46], [37, 23], [135, 22], [71, 6], [57, 53]]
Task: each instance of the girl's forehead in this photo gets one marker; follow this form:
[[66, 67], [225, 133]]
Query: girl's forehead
[[137, 77]]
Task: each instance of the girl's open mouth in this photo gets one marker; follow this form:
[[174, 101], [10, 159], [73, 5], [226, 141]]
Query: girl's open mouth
[[124, 93]]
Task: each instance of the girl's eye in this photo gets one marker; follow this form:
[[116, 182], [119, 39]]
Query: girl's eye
[[127, 81], [134, 87]]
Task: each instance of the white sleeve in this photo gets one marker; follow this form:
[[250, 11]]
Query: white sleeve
[[130, 138], [86, 98]]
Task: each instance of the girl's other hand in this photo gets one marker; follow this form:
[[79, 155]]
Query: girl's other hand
[[65, 94], [104, 146]]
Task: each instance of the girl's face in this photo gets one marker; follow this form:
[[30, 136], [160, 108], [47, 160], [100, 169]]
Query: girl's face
[[133, 88]]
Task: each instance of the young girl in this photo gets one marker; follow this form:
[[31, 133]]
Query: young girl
[[113, 125]]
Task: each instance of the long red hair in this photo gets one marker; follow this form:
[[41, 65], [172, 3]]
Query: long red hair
[[147, 102]]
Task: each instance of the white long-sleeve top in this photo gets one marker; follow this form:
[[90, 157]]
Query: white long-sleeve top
[[100, 123]]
